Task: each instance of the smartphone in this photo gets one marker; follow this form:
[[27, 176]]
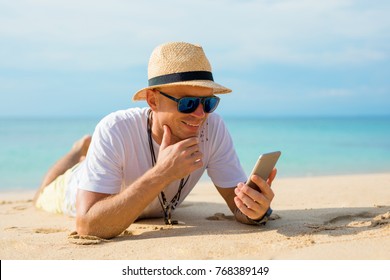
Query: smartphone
[[263, 168]]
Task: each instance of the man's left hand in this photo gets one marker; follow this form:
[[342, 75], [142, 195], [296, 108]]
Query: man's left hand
[[255, 203]]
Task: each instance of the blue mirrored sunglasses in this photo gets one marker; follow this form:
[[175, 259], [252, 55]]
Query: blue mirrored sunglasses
[[188, 105]]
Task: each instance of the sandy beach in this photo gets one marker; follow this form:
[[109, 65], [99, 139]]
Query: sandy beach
[[334, 217]]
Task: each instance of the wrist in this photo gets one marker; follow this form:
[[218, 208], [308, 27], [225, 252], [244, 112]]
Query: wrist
[[263, 220], [161, 174]]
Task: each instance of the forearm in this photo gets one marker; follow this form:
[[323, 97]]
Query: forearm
[[109, 217]]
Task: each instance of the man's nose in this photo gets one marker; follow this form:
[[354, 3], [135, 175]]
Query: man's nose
[[199, 112]]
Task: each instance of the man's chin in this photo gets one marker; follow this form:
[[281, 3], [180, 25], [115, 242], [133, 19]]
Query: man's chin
[[187, 136]]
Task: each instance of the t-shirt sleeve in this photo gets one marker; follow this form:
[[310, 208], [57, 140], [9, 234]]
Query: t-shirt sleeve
[[102, 170], [224, 167]]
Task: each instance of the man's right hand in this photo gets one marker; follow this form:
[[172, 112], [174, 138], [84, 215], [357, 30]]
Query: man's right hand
[[180, 159]]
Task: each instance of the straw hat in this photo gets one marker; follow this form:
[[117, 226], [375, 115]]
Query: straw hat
[[179, 63]]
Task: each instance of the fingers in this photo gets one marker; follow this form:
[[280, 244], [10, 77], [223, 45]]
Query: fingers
[[189, 148], [264, 187], [250, 202], [193, 155], [272, 176], [254, 211], [181, 158], [253, 203], [167, 140], [193, 152]]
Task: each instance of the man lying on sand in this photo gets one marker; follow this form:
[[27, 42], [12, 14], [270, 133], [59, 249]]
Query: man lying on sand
[[142, 163]]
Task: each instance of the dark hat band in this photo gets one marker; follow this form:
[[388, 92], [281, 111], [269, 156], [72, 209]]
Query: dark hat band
[[181, 77]]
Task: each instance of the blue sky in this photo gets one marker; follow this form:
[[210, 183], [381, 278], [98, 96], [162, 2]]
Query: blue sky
[[281, 58]]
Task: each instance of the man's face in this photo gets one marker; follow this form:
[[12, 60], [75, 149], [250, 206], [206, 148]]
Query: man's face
[[182, 125]]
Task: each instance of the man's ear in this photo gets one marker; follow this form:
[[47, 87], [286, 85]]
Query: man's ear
[[151, 98]]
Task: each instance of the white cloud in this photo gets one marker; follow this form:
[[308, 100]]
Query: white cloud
[[312, 33], [118, 34]]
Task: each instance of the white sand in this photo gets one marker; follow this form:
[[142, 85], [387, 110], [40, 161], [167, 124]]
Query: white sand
[[335, 217]]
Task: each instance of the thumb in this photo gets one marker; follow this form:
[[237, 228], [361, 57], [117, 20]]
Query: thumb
[[166, 140]]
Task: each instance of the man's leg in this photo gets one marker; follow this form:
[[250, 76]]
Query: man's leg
[[75, 155]]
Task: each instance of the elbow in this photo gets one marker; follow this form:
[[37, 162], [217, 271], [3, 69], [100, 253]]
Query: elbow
[[83, 225], [86, 227]]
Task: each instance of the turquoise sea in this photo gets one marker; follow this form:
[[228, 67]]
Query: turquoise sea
[[311, 146]]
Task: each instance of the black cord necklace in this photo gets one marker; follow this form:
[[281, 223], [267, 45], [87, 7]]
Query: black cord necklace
[[165, 205]]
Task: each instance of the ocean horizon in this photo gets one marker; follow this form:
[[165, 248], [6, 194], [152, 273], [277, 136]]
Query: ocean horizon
[[310, 146]]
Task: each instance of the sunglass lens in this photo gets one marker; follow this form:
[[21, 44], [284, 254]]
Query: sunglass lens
[[188, 104], [210, 104]]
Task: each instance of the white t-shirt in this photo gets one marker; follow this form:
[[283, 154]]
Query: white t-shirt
[[119, 154]]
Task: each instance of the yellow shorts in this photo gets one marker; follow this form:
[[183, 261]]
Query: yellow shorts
[[52, 198]]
